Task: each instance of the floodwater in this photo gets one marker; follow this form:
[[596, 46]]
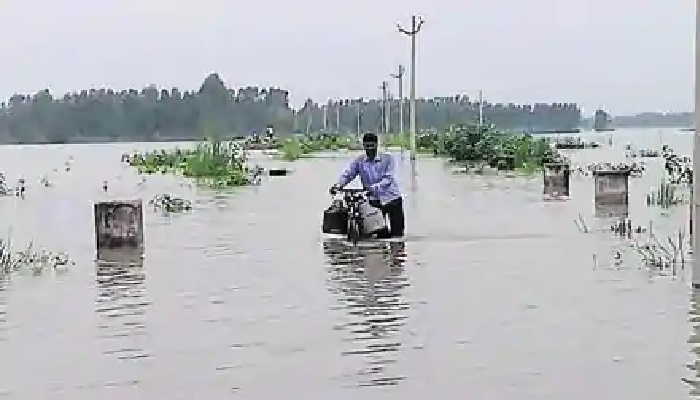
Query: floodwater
[[494, 295]]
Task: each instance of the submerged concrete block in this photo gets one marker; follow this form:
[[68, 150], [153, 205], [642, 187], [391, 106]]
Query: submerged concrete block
[[556, 180], [119, 232], [611, 192]]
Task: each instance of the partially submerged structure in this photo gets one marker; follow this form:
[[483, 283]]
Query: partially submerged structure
[[611, 192], [119, 233], [556, 179]]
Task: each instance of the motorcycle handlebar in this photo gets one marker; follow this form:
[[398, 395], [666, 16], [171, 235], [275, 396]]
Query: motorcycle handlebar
[[352, 190]]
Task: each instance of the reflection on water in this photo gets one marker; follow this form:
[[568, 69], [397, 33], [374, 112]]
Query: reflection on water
[[368, 281], [121, 306], [694, 341]]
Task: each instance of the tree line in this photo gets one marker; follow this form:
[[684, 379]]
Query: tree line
[[161, 114], [655, 120]]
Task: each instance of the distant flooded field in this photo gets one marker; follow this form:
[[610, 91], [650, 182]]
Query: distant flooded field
[[495, 294]]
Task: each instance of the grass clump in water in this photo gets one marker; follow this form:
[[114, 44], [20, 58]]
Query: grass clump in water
[[665, 196], [291, 149], [170, 204], [299, 146], [213, 162], [4, 189], [472, 144], [35, 260]]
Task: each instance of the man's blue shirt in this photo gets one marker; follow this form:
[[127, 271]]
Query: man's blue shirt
[[378, 176]]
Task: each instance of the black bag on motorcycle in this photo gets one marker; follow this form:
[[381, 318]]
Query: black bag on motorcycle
[[335, 219]]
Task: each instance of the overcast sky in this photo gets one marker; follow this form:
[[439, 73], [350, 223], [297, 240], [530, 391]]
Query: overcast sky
[[623, 55]]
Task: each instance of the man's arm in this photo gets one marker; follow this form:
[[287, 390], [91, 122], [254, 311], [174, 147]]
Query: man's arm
[[349, 174], [389, 172]]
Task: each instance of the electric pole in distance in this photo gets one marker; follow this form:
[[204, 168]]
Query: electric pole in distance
[[416, 25], [383, 125], [399, 77]]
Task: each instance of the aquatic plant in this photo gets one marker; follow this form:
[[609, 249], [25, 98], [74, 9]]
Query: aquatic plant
[[213, 162], [257, 142], [36, 260], [665, 195], [291, 149], [474, 144], [170, 203], [297, 146], [678, 169], [573, 142], [4, 189], [636, 169], [657, 255], [678, 175]]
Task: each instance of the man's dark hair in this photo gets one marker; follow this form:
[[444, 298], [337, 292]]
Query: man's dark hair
[[370, 137]]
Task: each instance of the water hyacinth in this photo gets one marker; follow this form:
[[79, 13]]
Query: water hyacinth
[[170, 204], [678, 176], [4, 189], [213, 162], [678, 169], [474, 144], [298, 146]]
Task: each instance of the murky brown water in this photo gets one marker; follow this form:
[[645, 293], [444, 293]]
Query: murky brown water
[[493, 296]]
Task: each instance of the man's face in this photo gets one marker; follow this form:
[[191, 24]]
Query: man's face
[[370, 148]]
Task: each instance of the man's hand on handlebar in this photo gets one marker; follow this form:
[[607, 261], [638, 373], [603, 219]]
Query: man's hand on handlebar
[[335, 189]]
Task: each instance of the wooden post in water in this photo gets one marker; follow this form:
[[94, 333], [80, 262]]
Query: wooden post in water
[[119, 233], [696, 155]]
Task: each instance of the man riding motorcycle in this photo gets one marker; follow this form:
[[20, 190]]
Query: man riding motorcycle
[[377, 173]]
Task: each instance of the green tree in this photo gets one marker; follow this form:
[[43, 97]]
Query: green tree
[[152, 114]]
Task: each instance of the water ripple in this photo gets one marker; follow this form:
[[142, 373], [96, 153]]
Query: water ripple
[[121, 306], [367, 282], [502, 292]]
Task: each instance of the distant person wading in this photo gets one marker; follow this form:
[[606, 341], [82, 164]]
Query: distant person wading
[[377, 172]]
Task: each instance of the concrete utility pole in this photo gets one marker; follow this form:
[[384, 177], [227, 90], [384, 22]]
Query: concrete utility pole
[[309, 122], [399, 77], [384, 87], [481, 108], [359, 118], [337, 117], [696, 157], [416, 24], [325, 117], [389, 98]]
